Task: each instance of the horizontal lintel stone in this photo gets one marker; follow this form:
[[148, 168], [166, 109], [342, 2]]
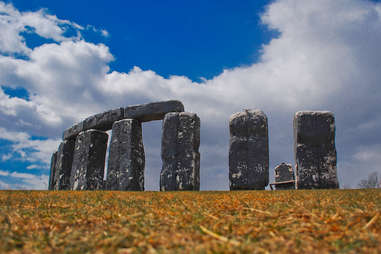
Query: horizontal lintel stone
[[103, 121], [143, 113], [152, 111], [73, 131]]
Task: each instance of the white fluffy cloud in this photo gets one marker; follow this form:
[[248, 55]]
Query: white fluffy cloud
[[13, 23], [27, 149], [23, 181], [326, 57]]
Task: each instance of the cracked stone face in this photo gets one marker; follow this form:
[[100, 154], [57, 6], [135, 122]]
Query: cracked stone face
[[126, 157], [315, 151], [248, 151], [180, 155], [89, 160]]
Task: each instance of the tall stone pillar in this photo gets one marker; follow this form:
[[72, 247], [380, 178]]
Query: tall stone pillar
[[52, 179], [315, 152], [248, 151], [179, 152], [89, 160], [63, 165], [126, 157]]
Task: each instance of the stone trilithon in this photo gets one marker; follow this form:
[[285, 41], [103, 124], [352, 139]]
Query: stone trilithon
[[79, 162]]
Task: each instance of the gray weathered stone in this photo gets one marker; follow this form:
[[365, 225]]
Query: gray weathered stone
[[89, 160], [152, 111], [63, 165], [103, 121], [315, 152], [73, 131], [284, 173], [126, 157], [180, 155], [248, 151], [143, 113], [52, 179]]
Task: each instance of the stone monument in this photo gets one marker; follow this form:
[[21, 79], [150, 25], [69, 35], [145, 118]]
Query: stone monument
[[248, 151], [180, 155], [126, 158], [63, 165], [315, 151], [79, 162], [89, 160]]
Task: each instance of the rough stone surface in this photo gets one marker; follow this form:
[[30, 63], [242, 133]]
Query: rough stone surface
[[52, 179], [248, 151], [284, 172], [89, 160], [63, 165], [73, 131], [143, 113], [180, 155], [103, 121], [152, 111], [126, 157], [315, 152]]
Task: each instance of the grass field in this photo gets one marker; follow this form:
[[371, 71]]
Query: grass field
[[318, 221]]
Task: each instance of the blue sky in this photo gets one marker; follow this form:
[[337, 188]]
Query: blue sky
[[196, 39], [62, 61]]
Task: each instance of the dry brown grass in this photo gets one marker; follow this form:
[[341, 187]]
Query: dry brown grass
[[318, 221]]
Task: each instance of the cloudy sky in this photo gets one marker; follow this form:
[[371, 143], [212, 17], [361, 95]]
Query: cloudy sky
[[60, 64]]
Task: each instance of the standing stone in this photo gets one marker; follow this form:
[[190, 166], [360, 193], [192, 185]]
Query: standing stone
[[315, 152], [89, 160], [248, 151], [126, 157], [52, 179], [180, 155], [63, 165], [284, 173]]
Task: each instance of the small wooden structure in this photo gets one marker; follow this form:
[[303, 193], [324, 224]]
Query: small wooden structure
[[284, 183]]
